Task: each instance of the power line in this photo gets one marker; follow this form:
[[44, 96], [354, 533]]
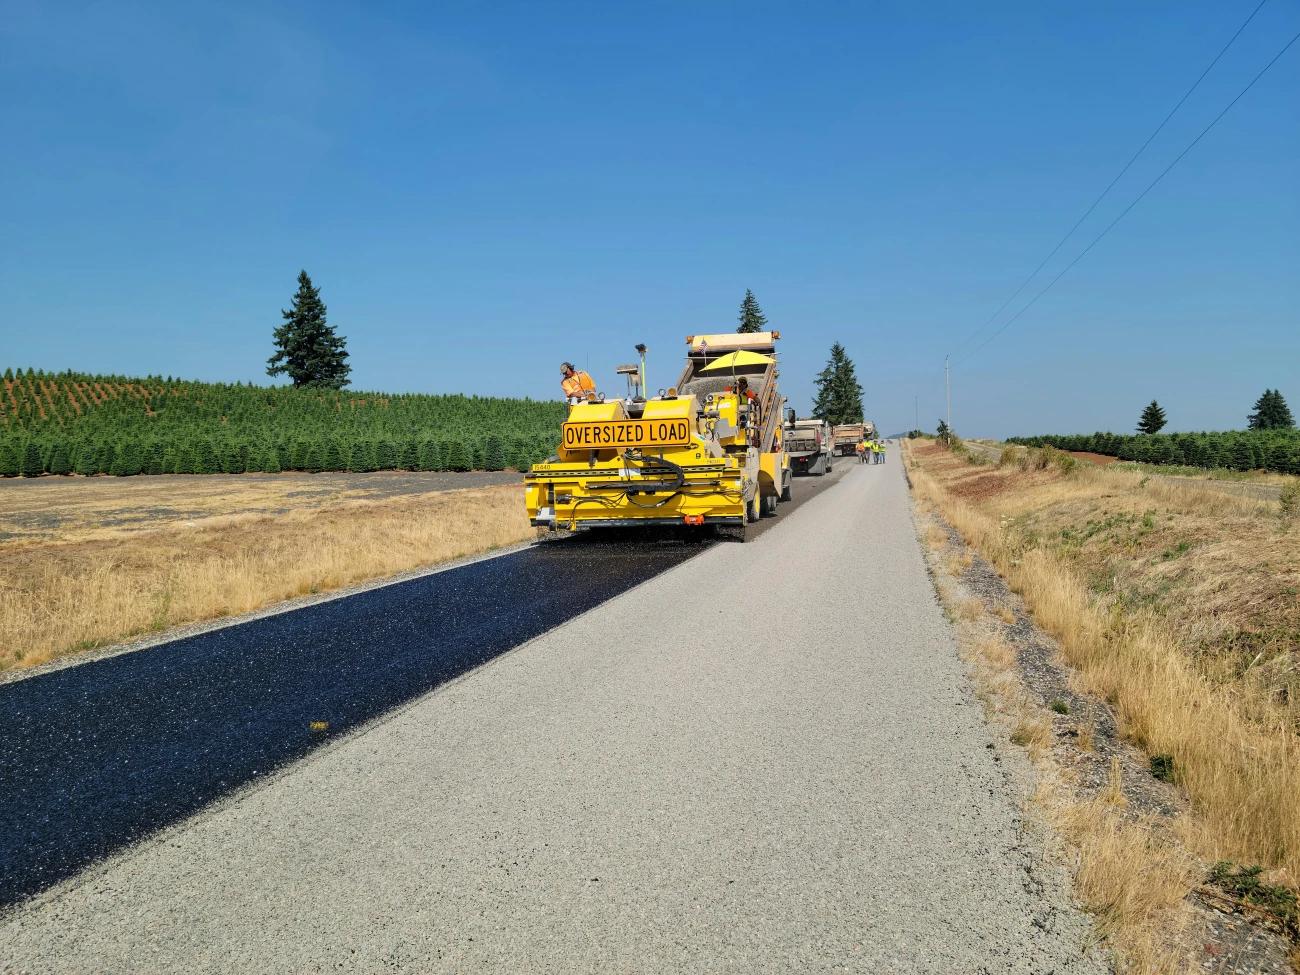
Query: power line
[[1118, 176], [1123, 213]]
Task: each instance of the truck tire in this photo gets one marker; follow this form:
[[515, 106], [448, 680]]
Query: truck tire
[[786, 493], [767, 507]]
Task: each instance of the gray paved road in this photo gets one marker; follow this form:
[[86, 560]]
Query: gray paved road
[[725, 769]]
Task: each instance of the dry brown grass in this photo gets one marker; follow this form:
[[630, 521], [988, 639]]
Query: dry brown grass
[[58, 597], [1192, 655], [958, 563], [936, 537], [1006, 614], [1132, 876], [995, 652], [1032, 730], [1130, 873]]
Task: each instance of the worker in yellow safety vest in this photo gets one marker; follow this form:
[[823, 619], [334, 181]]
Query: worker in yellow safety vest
[[878, 446], [576, 383]]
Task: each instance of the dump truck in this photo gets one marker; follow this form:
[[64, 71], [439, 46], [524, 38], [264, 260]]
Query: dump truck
[[847, 436], [705, 452], [810, 445]]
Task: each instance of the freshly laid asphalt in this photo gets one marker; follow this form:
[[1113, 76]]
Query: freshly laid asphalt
[[97, 756], [743, 758]]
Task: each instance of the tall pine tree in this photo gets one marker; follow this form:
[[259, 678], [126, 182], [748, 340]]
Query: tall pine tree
[[1271, 412], [306, 346], [839, 394], [1152, 419], [752, 318]]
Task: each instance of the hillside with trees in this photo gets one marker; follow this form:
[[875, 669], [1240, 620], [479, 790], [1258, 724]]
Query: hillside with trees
[[86, 424], [1272, 443], [1238, 450]]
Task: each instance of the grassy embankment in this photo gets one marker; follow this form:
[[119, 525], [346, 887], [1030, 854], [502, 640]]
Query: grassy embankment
[[1176, 603], [100, 574]]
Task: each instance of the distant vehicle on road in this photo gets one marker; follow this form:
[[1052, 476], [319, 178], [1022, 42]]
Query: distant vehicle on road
[[810, 444], [848, 435]]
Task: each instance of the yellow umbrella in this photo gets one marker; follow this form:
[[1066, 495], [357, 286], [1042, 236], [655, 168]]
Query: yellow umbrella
[[734, 360]]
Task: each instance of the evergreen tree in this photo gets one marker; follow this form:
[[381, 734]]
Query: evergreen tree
[[494, 454], [408, 456], [271, 460], [231, 460], [10, 459], [307, 347], [430, 457], [60, 462], [385, 455], [1279, 457], [752, 318], [943, 433], [205, 458], [1241, 457], [457, 456], [517, 453], [154, 458], [315, 459], [332, 456], [186, 461], [1152, 419], [361, 456], [839, 394], [106, 455], [1271, 412], [33, 464]]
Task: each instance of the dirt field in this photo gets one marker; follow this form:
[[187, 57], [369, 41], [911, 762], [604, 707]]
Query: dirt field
[[86, 562], [83, 508], [1100, 459]]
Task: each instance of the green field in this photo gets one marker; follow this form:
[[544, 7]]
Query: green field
[[73, 423]]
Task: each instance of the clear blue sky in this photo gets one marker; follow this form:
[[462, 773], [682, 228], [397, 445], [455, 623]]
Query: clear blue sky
[[483, 189]]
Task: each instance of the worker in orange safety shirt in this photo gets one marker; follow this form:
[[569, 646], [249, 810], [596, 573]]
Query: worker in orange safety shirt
[[576, 383]]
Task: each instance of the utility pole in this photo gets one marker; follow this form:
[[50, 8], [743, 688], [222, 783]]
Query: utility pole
[[947, 389], [916, 412]]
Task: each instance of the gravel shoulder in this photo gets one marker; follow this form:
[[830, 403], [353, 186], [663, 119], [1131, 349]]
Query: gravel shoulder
[[766, 759]]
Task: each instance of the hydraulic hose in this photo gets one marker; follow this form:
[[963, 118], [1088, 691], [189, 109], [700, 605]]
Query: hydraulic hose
[[647, 461]]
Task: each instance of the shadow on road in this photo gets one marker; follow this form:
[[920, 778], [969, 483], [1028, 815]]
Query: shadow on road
[[96, 756]]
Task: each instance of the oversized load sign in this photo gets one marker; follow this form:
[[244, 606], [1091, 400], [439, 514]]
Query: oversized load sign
[[605, 434]]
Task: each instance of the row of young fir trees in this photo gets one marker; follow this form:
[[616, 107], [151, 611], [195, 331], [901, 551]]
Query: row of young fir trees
[[1271, 441], [75, 423]]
